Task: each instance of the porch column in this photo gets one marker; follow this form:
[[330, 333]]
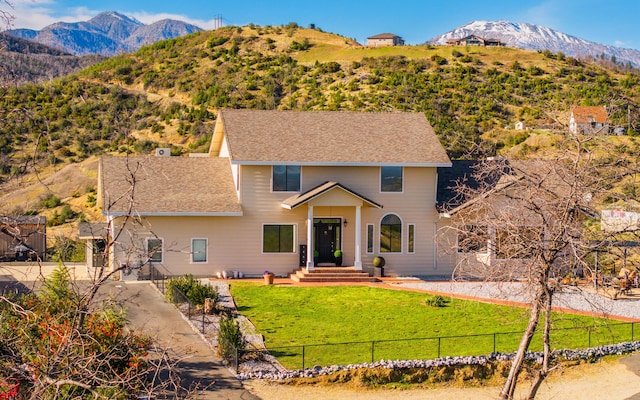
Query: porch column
[[358, 261], [310, 265]]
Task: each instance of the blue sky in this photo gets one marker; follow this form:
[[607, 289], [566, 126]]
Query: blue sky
[[613, 22]]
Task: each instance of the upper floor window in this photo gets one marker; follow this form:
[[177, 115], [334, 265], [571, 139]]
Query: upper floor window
[[286, 178], [391, 234], [391, 179]]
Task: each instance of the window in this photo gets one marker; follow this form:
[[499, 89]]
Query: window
[[518, 243], [286, 178], [411, 238], [278, 238], [391, 179], [370, 238], [198, 250], [472, 239], [391, 234], [154, 250]]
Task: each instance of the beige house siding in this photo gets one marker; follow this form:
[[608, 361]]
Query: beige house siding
[[235, 243]]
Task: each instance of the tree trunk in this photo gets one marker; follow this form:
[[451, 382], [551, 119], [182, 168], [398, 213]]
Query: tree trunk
[[545, 369], [509, 387]]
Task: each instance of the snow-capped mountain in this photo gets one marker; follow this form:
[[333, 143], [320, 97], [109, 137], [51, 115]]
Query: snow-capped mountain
[[536, 37], [107, 34]]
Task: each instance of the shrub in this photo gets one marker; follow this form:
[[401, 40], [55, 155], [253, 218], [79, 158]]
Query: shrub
[[230, 339], [50, 201], [195, 290], [437, 301]]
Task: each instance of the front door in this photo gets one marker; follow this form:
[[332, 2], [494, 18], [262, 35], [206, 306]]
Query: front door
[[327, 238]]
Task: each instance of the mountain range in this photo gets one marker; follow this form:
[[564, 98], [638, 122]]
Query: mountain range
[[107, 34], [536, 37]]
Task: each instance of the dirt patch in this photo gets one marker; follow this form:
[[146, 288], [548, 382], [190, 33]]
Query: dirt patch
[[611, 378]]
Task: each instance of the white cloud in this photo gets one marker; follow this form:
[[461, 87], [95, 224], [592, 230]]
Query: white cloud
[[37, 14]]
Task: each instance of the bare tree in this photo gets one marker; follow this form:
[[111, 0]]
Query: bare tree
[[6, 16], [536, 221]]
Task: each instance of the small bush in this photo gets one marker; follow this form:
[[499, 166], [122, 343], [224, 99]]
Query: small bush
[[50, 201], [437, 301], [231, 338], [195, 290]]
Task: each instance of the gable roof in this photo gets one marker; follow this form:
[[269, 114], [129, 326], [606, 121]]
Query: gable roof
[[589, 114], [263, 137], [177, 186], [300, 199]]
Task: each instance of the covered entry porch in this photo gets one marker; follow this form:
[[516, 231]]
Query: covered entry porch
[[334, 222]]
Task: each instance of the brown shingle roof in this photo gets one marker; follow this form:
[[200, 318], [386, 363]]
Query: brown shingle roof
[[384, 36], [331, 138], [588, 114], [168, 186]]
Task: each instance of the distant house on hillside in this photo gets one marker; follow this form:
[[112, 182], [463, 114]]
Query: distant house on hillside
[[384, 39], [473, 40], [589, 120]]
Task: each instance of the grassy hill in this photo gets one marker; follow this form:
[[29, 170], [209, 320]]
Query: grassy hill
[[167, 94]]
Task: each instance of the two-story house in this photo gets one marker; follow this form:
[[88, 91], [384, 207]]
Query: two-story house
[[277, 183]]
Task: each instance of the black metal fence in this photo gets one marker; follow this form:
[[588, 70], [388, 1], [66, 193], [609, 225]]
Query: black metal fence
[[304, 356], [158, 278]]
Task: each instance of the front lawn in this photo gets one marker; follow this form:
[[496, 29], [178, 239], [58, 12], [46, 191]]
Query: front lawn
[[310, 325]]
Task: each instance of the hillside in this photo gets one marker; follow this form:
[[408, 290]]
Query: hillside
[[167, 94], [23, 61]]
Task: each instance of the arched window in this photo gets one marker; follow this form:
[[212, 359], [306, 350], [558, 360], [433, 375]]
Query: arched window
[[391, 234]]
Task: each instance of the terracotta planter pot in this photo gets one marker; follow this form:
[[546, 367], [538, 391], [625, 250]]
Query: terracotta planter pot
[[268, 279]]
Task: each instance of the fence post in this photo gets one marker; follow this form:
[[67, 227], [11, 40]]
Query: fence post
[[303, 357], [439, 346], [373, 345], [494, 342]]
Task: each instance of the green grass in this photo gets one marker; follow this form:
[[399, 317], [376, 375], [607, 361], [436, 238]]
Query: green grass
[[376, 321]]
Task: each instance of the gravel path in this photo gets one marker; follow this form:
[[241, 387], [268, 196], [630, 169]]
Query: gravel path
[[571, 297]]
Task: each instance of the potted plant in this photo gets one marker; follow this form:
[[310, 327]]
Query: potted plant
[[268, 277], [316, 255], [338, 257], [378, 264]]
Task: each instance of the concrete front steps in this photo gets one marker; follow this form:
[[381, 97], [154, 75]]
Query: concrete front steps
[[331, 275]]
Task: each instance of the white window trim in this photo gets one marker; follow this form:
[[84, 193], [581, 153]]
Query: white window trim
[[380, 179], [161, 252], [285, 191], [206, 251], [373, 239], [414, 239], [295, 238]]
